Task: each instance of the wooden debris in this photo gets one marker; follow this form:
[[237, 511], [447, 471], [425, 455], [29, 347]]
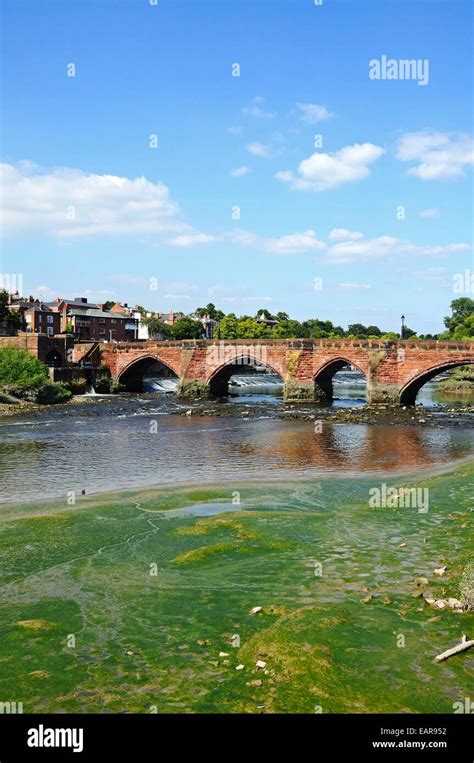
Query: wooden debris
[[461, 647]]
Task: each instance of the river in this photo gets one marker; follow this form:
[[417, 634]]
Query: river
[[129, 441]]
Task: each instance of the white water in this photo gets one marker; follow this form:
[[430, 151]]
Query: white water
[[159, 385], [262, 384]]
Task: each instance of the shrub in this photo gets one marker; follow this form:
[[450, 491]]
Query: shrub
[[53, 393], [20, 369]]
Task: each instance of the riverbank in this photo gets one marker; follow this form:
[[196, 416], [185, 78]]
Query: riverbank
[[144, 602]]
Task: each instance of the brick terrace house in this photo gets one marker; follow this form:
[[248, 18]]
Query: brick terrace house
[[40, 319], [87, 321], [37, 317]]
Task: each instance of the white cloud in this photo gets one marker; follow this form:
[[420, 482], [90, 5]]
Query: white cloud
[[437, 155], [260, 149], [354, 286], [191, 239], [255, 109], [435, 274], [383, 247], [69, 203], [311, 113], [323, 171], [429, 214], [240, 171], [292, 243], [342, 234]]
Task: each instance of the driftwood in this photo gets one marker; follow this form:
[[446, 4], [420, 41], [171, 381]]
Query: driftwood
[[465, 644]]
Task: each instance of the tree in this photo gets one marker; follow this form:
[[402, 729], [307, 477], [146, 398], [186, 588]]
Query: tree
[[290, 329], [186, 328], [266, 314], [211, 311], [18, 368], [156, 328], [357, 330], [11, 319], [458, 323], [228, 327], [108, 305], [373, 331]]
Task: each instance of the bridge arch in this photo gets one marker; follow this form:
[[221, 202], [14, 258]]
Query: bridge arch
[[410, 390], [132, 375], [323, 378], [218, 381]]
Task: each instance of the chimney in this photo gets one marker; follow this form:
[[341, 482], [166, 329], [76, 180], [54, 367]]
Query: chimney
[[81, 299]]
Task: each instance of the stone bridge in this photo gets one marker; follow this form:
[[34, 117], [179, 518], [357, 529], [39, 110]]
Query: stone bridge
[[395, 370]]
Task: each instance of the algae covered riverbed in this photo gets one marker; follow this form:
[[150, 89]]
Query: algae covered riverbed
[[141, 602]]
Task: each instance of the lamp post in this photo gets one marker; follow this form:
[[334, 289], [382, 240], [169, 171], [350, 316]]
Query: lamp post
[[402, 334]]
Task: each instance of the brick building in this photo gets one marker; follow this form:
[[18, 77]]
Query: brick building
[[88, 322], [36, 316]]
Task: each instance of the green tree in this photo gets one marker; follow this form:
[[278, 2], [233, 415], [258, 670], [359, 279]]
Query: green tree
[[247, 328], [458, 323], [211, 311], [156, 328], [108, 305], [373, 331], [228, 327], [18, 368], [357, 330], [289, 329], [265, 313], [186, 328], [11, 319]]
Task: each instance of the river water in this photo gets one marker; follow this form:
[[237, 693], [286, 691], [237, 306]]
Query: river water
[[128, 441]]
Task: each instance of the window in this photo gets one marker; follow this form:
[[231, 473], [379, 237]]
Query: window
[[50, 331], [49, 318], [28, 318], [113, 320]]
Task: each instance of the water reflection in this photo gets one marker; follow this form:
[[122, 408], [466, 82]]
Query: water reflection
[[127, 443]]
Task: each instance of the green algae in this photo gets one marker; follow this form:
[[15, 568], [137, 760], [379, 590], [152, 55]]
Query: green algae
[[151, 599]]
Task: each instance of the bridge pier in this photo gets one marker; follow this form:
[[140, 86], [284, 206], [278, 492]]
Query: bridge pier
[[307, 391], [382, 394], [192, 388]]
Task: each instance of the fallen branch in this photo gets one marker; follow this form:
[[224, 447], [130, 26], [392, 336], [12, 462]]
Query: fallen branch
[[465, 644]]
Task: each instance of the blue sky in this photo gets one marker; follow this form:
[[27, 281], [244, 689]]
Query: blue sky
[[92, 209]]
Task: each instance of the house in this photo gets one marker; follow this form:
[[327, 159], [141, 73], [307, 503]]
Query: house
[[88, 322], [40, 319], [36, 316]]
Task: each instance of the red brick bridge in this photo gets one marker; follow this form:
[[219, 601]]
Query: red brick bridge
[[395, 370]]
